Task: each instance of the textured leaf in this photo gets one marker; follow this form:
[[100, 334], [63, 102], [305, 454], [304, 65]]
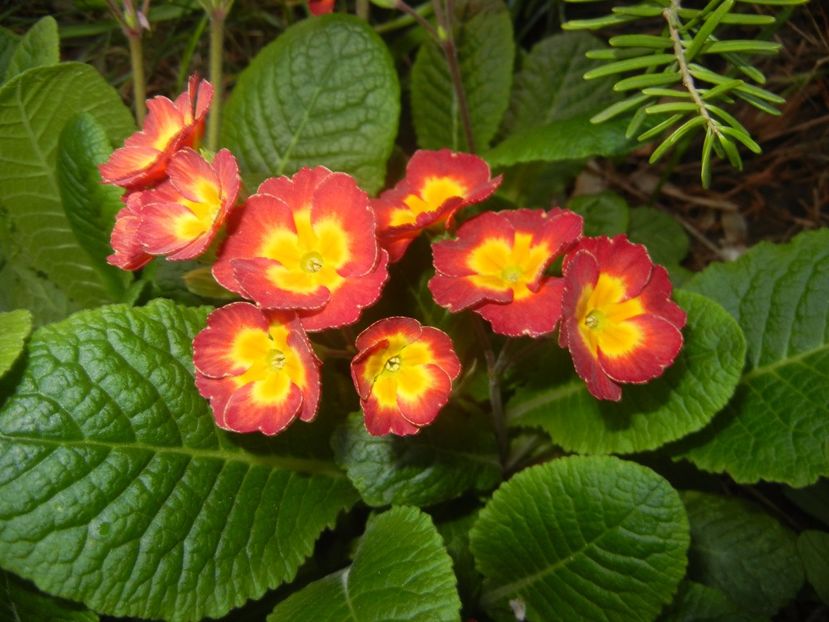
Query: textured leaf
[[8, 44], [571, 139], [400, 572], [22, 287], [605, 213], [682, 401], [15, 326], [325, 92], [742, 551], [549, 87], [539, 184], [22, 602], [118, 490], [483, 37], [455, 454], [696, 602], [90, 206], [33, 110], [582, 538], [814, 552], [37, 48], [777, 426], [665, 238]]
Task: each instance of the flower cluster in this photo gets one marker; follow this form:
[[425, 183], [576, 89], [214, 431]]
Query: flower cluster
[[310, 252]]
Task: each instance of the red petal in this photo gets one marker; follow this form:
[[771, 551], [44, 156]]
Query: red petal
[[533, 316], [622, 259], [362, 382], [218, 391], [212, 347], [587, 367], [380, 421], [661, 344], [349, 299], [423, 408], [451, 256], [410, 328], [252, 276], [656, 298], [443, 351], [129, 254], [244, 413]]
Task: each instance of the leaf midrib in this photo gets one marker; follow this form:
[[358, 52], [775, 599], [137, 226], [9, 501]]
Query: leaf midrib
[[304, 465], [772, 367]]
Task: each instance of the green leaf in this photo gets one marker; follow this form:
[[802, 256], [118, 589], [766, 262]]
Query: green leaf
[[582, 538], [325, 92], [683, 400], [629, 64], [742, 551], [400, 572], [486, 51], [34, 107], [605, 213], [15, 326], [571, 139], [664, 237], [455, 534], [90, 206], [455, 454], [8, 44], [814, 499], [814, 552], [696, 602], [549, 87], [21, 287], [119, 491], [22, 602], [37, 48], [778, 294]]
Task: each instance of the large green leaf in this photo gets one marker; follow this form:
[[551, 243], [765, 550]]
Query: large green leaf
[[742, 551], [34, 107], [684, 399], [696, 602], [22, 602], [582, 538], [118, 490], [549, 87], [325, 92], [455, 534], [568, 139], [813, 547], [37, 48], [15, 326], [777, 426], [455, 454], [483, 37], [400, 572], [8, 44], [605, 213], [90, 206]]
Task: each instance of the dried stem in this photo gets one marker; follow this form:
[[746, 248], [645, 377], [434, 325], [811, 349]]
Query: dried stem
[[495, 398]]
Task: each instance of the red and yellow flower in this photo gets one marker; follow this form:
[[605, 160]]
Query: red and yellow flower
[[403, 373], [181, 216], [257, 369], [620, 323], [169, 126], [306, 243], [320, 7], [437, 184], [125, 238], [497, 264]]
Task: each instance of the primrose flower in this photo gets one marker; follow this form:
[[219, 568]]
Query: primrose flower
[[403, 373], [496, 268], [181, 216], [124, 239], [257, 368], [619, 321], [437, 184], [169, 126], [306, 243]]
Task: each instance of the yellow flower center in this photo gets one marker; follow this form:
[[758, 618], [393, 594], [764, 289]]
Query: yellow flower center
[[603, 315], [271, 363], [393, 364], [309, 257], [499, 266]]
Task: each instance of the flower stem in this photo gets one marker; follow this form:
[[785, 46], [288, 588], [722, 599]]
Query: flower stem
[[495, 398], [138, 83], [445, 16], [217, 23], [363, 9], [420, 19]]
